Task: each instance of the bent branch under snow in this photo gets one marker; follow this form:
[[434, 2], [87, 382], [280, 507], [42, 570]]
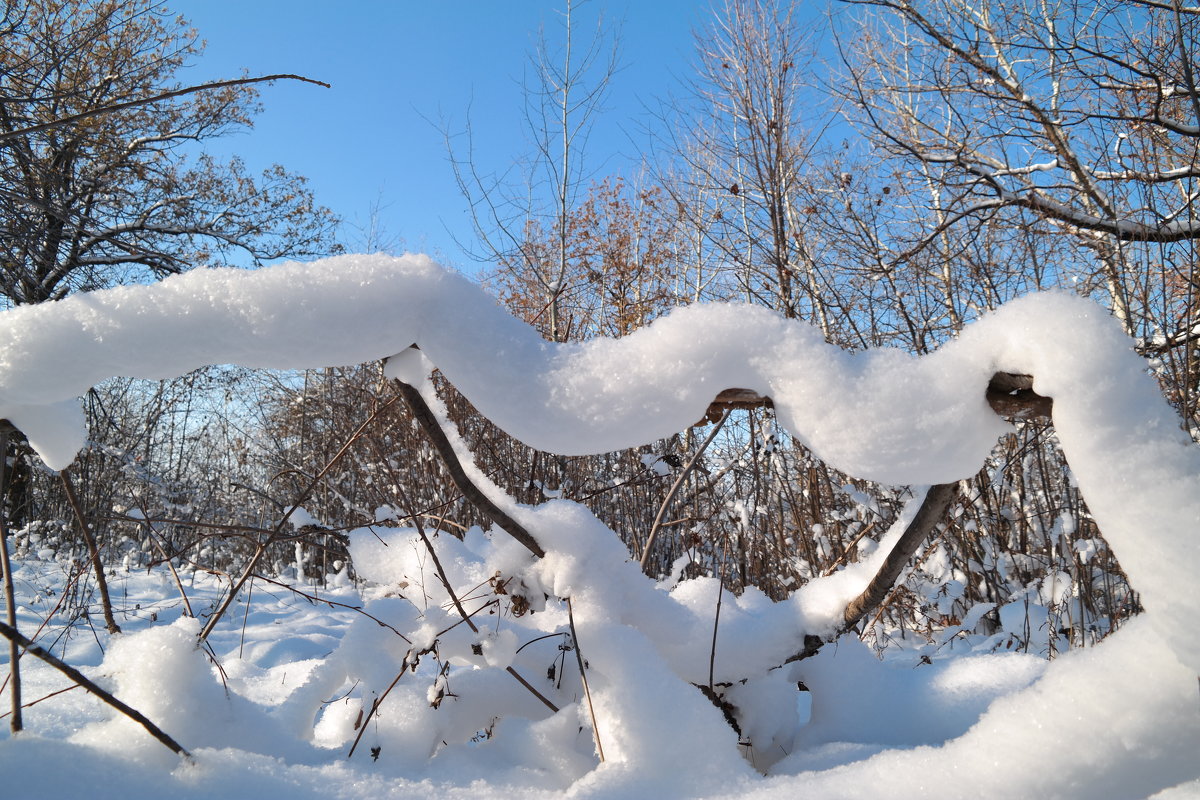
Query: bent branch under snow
[[882, 415], [1009, 396]]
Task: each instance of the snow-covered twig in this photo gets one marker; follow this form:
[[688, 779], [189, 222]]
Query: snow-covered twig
[[437, 564], [583, 677], [932, 510], [10, 605], [683, 473]]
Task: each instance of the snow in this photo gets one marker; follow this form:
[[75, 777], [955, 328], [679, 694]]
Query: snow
[[565, 398], [1117, 720]]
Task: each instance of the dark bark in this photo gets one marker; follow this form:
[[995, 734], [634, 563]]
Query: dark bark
[[932, 510], [10, 601], [78, 677], [1009, 395], [97, 565], [433, 429]]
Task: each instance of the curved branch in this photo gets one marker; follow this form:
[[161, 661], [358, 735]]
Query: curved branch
[[145, 101], [1010, 395], [675, 487]]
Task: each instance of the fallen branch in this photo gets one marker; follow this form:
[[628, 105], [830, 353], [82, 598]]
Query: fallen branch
[[78, 677], [1010, 395]]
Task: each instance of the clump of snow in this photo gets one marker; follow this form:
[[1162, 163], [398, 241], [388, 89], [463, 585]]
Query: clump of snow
[[300, 518], [163, 674], [1117, 720], [567, 398], [410, 366]]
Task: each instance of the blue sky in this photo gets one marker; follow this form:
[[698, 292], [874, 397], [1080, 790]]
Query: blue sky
[[397, 68]]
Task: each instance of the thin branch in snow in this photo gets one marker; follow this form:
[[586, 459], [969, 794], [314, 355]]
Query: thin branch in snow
[[78, 677]]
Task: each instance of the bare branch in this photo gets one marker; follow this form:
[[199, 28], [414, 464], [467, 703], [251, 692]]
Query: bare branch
[[932, 511], [145, 101], [433, 429], [1008, 394]]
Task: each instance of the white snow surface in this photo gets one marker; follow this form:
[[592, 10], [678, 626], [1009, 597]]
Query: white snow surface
[[1121, 719]]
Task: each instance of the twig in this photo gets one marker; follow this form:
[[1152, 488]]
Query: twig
[[495, 601], [94, 551], [441, 572], [675, 487], [278, 530], [332, 604], [712, 652], [521, 680], [78, 677], [840, 560], [10, 600], [587, 691], [33, 703], [437, 563], [167, 560], [246, 617], [375, 704]]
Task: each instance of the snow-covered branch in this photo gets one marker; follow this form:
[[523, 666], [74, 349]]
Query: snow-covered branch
[[881, 414]]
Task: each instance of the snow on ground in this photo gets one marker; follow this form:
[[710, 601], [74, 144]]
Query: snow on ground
[[1118, 720]]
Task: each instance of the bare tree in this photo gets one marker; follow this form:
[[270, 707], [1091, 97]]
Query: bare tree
[[114, 195], [563, 96], [1085, 115], [747, 148]]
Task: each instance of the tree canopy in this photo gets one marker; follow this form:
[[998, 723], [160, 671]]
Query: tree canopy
[[129, 194]]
